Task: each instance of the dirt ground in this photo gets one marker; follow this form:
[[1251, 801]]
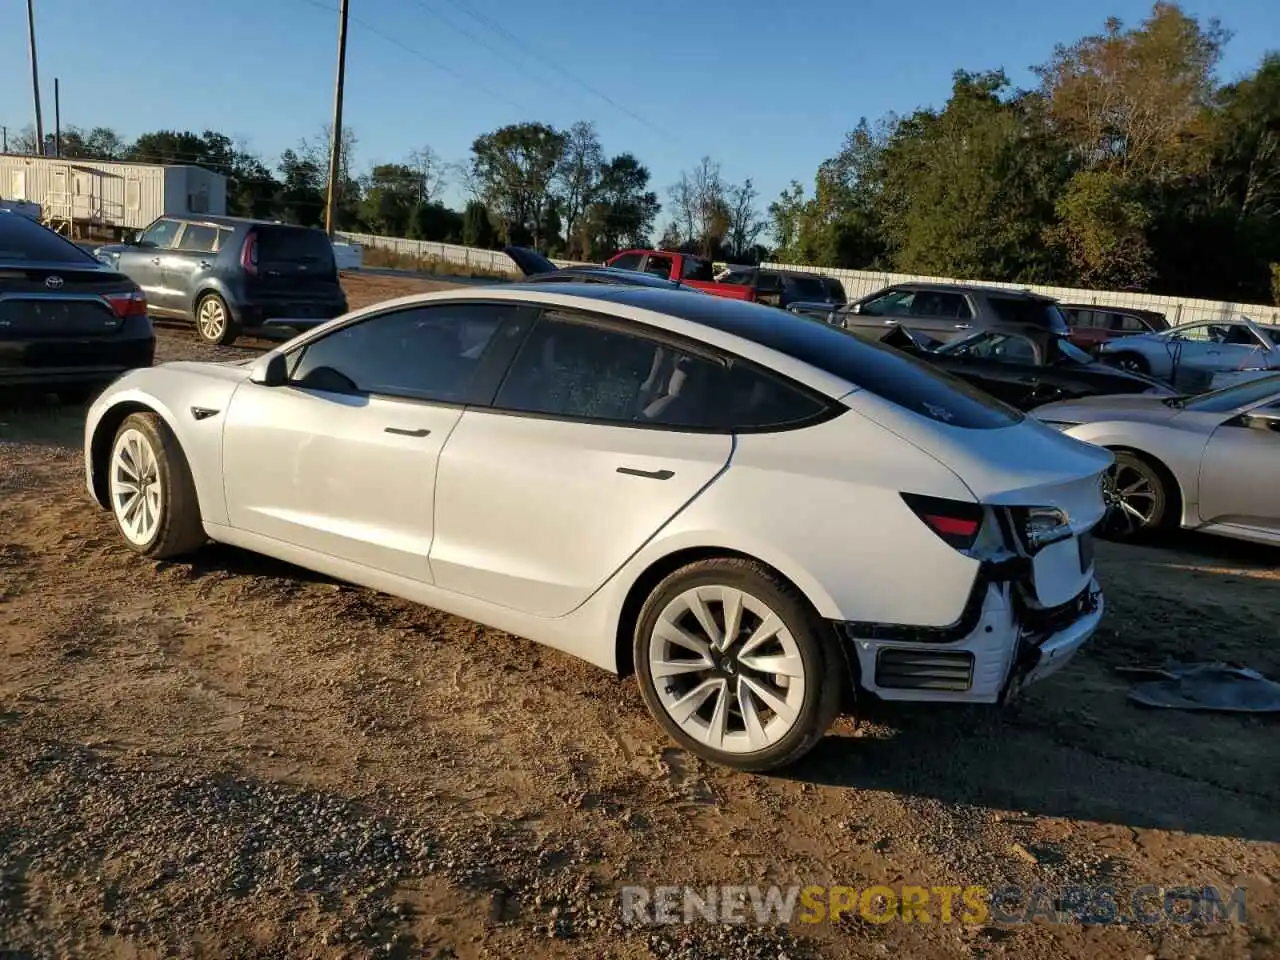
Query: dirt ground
[[236, 758]]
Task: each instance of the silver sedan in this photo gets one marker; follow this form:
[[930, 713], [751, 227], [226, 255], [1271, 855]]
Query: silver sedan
[[1197, 348], [1207, 462]]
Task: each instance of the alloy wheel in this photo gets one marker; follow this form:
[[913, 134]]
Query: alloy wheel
[[1132, 499], [136, 493], [726, 669], [212, 319]]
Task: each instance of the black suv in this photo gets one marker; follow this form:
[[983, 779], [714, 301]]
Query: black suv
[[230, 274]]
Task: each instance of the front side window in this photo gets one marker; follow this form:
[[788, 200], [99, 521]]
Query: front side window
[[423, 353], [1198, 332], [893, 304], [570, 367], [697, 270], [160, 234]]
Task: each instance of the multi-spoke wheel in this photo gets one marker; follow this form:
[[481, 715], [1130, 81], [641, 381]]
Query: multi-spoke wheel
[[214, 322], [736, 666], [153, 497], [1137, 498]]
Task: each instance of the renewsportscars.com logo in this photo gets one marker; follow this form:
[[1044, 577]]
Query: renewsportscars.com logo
[[908, 903]]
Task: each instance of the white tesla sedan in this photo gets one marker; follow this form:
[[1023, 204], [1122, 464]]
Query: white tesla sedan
[[756, 512]]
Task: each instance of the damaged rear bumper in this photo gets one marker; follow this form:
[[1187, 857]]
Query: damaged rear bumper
[[999, 646]]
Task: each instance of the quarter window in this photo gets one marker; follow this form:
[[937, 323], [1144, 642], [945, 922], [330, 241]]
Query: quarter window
[[423, 353], [570, 367]]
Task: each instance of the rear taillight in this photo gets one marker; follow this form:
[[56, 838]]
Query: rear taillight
[[249, 254], [956, 522], [133, 304]]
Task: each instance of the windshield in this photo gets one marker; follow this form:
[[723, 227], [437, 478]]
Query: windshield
[[1230, 398]]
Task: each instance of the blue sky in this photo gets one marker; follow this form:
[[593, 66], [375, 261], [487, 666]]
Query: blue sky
[[769, 94]]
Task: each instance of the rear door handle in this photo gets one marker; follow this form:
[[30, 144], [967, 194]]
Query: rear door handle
[[647, 474], [963, 326], [405, 432]]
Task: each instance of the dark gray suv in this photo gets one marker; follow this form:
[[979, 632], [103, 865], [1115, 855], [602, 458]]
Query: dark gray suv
[[230, 274], [943, 311]]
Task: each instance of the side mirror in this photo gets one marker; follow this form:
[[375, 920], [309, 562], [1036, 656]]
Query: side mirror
[[271, 371], [855, 308]]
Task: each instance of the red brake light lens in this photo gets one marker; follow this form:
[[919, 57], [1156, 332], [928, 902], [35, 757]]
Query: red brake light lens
[[249, 254], [133, 304], [956, 522]]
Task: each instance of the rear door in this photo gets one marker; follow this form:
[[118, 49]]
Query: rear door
[[541, 498], [293, 272], [182, 267]]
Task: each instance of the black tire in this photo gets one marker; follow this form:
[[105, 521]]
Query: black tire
[[1135, 362], [179, 530], [824, 669], [223, 333], [1151, 493]]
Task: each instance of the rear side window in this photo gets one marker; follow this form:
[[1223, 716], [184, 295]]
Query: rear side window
[[627, 261], [1038, 313], [658, 266], [294, 245], [24, 239], [571, 367], [697, 269], [933, 303], [835, 289], [199, 238], [808, 288]]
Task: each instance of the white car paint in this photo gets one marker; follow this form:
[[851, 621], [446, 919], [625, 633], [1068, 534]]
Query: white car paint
[[524, 524]]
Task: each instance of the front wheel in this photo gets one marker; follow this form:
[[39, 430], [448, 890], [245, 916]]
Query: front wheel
[[152, 493], [736, 666], [213, 321], [1137, 496]]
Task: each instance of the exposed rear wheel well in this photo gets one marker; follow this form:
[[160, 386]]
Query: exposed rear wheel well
[[1173, 513], [100, 446], [645, 585]]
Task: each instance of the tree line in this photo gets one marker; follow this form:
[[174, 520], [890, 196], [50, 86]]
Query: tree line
[[1128, 167], [528, 184]]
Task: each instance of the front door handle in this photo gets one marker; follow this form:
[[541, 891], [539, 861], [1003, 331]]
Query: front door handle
[[405, 432], [647, 474], [204, 264], [156, 261]]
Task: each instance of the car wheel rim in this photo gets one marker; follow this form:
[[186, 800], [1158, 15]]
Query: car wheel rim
[[1130, 365], [1131, 499], [136, 497], [212, 319], [726, 669]]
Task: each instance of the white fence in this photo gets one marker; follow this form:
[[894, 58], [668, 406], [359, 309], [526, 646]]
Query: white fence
[[1178, 310], [859, 283]]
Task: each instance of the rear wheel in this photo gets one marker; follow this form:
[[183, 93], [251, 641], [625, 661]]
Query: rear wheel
[[152, 494], [1139, 498], [736, 666], [1133, 362], [213, 321]]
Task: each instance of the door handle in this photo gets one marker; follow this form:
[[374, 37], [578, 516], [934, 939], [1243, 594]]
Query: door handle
[[647, 474], [963, 326], [156, 261], [405, 432], [204, 264]]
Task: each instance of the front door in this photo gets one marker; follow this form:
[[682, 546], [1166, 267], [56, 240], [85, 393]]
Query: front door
[[582, 460], [142, 263], [342, 459], [1237, 474]]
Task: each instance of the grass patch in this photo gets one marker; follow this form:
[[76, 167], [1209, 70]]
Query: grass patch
[[436, 266]]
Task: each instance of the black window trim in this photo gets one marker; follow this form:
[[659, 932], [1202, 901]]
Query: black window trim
[[491, 370], [828, 407]]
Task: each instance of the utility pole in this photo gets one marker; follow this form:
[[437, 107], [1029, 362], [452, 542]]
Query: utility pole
[[57, 120], [335, 145], [35, 75], [4, 139]]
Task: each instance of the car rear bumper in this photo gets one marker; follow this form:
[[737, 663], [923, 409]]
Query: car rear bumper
[[72, 360], [1004, 649]]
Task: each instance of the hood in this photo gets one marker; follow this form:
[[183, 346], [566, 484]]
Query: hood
[[1144, 408], [1024, 464], [529, 261], [233, 370]]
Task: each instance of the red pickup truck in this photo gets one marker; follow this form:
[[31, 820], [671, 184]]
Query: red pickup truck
[[685, 268]]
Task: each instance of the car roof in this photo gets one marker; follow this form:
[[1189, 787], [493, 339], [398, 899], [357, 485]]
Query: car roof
[[1011, 292], [223, 221], [605, 274]]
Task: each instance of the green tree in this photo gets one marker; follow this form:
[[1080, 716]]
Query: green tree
[[1102, 227], [623, 211], [391, 196], [477, 228], [302, 188], [513, 169]]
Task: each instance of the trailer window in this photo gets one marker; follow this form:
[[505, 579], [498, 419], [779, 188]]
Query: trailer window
[[132, 194]]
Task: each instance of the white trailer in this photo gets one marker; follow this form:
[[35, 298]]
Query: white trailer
[[77, 194]]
